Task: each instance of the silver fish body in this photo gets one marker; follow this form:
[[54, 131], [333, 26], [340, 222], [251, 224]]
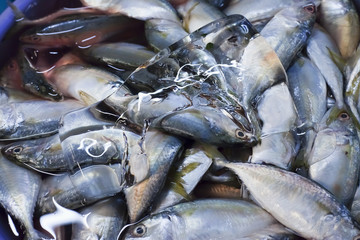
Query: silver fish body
[[203, 219], [84, 187], [296, 202]]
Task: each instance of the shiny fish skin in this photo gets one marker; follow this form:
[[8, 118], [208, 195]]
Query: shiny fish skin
[[277, 112], [27, 119], [141, 9], [85, 83], [44, 153], [19, 188], [296, 202], [198, 13], [203, 219], [81, 31], [334, 162], [289, 30], [160, 157], [320, 49], [340, 19], [106, 219], [81, 188], [260, 10]]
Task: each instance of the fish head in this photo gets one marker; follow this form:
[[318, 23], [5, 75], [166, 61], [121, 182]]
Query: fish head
[[21, 152], [31, 38], [153, 227], [339, 119]]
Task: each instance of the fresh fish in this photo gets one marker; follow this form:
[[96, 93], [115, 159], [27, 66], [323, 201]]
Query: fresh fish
[[85, 83], [141, 9], [205, 124], [203, 219], [341, 20], [308, 90], [84, 187], [105, 220], [289, 30], [121, 55], [44, 154], [104, 147], [277, 112], [355, 206], [19, 188], [296, 202], [84, 120], [183, 179], [11, 95], [260, 10], [161, 33], [321, 49], [198, 13], [33, 118], [82, 31], [52, 221], [334, 161], [161, 151]]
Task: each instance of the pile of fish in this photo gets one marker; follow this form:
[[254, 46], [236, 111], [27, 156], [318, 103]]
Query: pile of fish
[[155, 119]]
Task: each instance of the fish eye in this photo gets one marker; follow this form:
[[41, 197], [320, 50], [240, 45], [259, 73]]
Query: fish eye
[[35, 38], [310, 8], [344, 116], [17, 150], [240, 134], [139, 230]]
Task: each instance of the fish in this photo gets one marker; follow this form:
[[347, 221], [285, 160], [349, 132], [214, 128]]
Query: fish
[[321, 49], [207, 218], [20, 120], [341, 20], [105, 220], [296, 202], [198, 13], [19, 190], [44, 154], [161, 151], [183, 178], [296, 24], [86, 83], [84, 187], [81, 31], [334, 153], [154, 8], [277, 112]]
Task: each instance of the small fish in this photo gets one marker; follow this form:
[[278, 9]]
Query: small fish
[[183, 179], [210, 218], [60, 217], [86, 83], [82, 31], [161, 151], [105, 219], [44, 154], [333, 161], [296, 202], [341, 20], [84, 187], [19, 188], [33, 118], [141, 9]]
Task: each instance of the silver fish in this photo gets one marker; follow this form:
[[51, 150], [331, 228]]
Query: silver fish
[[105, 220], [320, 49], [298, 203], [84, 187], [203, 219], [333, 161], [19, 188], [341, 20]]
